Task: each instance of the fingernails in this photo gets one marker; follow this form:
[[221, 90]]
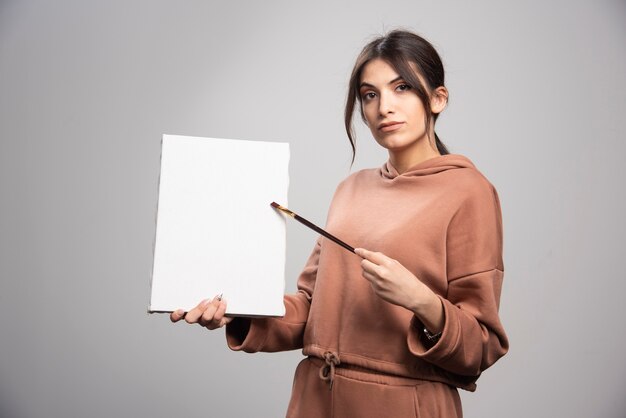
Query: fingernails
[[205, 302], [219, 297]]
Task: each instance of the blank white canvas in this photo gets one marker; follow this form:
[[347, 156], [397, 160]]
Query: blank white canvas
[[216, 232]]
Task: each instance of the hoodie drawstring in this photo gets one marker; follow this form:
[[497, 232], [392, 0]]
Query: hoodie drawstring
[[328, 371]]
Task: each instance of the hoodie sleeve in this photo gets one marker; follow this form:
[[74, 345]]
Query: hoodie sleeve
[[278, 334], [473, 337]]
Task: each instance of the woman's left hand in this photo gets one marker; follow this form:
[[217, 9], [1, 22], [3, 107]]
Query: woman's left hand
[[395, 284]]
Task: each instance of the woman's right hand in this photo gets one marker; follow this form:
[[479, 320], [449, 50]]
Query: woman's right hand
[[209, 313]]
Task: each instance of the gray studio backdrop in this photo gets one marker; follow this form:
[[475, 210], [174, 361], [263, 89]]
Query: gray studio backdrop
[[87, 88]]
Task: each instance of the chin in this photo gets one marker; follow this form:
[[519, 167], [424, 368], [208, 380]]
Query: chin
[[400, 141], [395, 144]]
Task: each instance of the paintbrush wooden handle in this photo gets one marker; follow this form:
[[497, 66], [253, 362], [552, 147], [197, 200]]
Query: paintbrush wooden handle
[[324, 233], [312, 226]]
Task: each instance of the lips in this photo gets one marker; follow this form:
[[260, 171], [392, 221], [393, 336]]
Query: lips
[[389, 126]]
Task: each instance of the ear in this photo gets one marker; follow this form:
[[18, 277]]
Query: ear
[[439, 99]]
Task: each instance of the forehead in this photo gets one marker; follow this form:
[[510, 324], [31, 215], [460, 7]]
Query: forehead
[[377, 71]]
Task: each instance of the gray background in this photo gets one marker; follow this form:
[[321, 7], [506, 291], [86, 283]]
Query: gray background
[[537, 101]]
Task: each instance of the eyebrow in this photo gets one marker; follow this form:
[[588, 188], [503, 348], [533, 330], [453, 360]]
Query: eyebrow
[[398, 78]]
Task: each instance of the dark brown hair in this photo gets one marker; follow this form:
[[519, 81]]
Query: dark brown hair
[[399, 48]]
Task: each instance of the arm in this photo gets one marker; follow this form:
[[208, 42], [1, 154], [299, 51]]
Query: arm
[[278, 334], [473, 337]]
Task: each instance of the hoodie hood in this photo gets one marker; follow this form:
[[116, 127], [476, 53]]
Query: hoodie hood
[[430, 166]]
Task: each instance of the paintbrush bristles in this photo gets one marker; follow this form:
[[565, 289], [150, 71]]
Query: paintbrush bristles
[[284, 209]]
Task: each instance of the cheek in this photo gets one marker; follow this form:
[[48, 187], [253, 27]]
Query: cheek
[[415, 112], [367, 112]]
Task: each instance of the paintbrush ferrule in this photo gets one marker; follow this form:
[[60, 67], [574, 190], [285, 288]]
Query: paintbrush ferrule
[[283, 209]]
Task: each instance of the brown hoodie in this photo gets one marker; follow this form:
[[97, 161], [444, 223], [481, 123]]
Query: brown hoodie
[[441, 220]]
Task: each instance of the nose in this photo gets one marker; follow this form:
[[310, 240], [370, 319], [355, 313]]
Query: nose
[[385, 104]]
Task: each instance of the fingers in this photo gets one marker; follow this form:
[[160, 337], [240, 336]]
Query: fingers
[[219, 320], [369, 266], [374, 257], [226, 320], [213, 317], [372, 270], [373, 279], [209, 313], [177, 315], [194, 315], [377, 267], [220, 311], [206, 320]]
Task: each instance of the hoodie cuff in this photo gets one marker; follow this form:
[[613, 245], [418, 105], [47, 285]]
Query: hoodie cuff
[[247, 334], [446, 345]]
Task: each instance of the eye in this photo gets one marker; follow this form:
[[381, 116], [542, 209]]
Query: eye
[[403, 87], [369, 95]]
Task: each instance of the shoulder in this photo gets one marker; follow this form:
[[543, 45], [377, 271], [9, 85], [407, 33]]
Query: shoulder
[[470, 185], [357, 179], [477, 206], [474, 201]]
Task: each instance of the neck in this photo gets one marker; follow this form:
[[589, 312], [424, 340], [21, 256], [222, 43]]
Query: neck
[[404, 159]]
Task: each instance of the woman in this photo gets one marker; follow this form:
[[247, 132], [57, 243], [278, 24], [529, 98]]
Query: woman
[[394, 330]]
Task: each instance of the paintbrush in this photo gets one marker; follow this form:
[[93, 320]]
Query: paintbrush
[[312, 226]]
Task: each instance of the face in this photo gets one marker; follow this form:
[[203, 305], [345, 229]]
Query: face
[[393, 111]]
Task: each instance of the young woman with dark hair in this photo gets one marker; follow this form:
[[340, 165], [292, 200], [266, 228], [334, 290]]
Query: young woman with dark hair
[[394, 330]]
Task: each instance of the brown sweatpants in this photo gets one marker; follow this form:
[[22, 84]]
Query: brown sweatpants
[[359, 393]]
